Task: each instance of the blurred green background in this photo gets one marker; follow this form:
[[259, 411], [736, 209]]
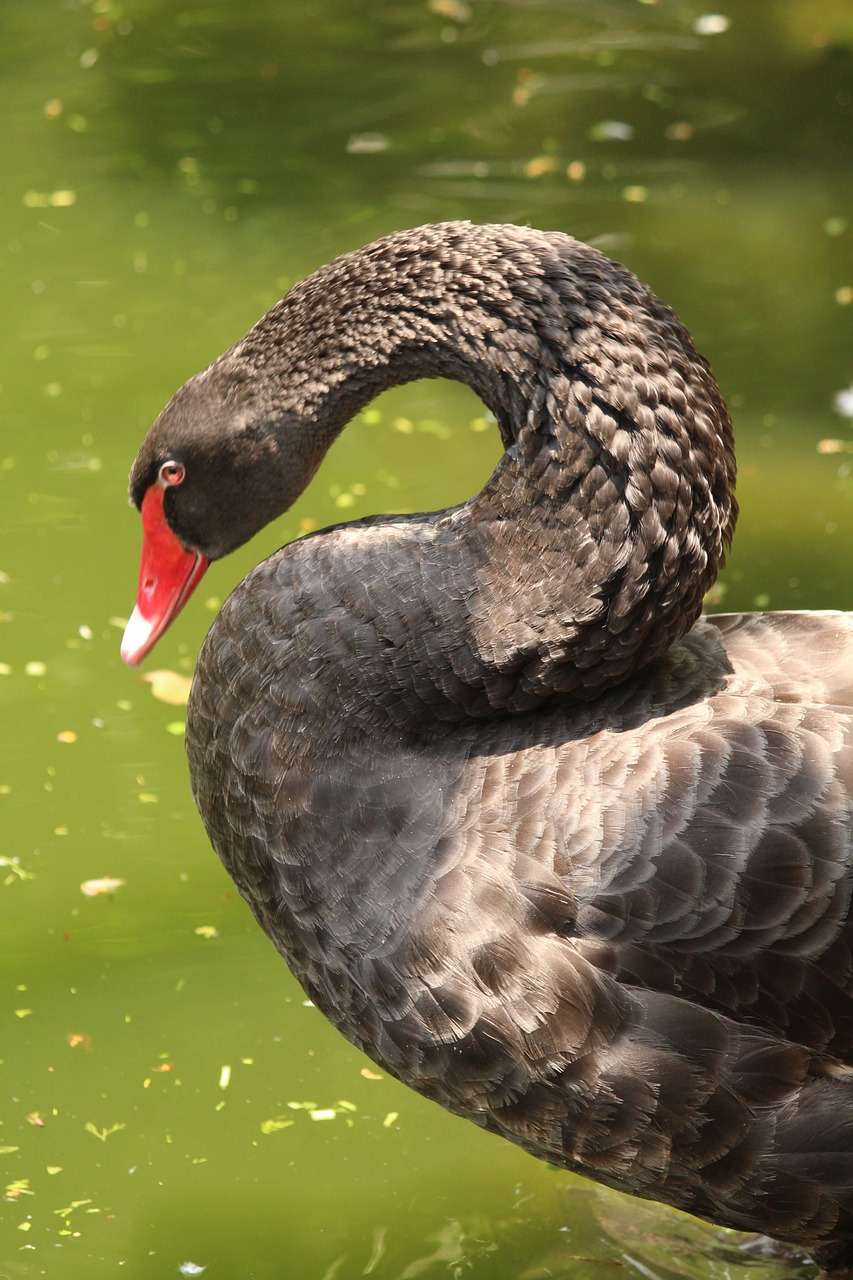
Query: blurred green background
[[168, 1103]]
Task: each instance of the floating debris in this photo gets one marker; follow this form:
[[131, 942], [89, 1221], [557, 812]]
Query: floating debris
[[842, 402], [711, 24], [49, 199], [366, 144], [680, 131], [101, 1135], [539, 166], [273, 1126], [457, 10], [611, 131], [20, 1187], [169, 686], [106, 884], [16, 871]]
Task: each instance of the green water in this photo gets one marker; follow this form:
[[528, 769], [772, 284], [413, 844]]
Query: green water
[[166, 1097]]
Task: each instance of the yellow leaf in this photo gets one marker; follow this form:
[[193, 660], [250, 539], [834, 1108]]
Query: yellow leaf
[[272, 1126], [169, 686]]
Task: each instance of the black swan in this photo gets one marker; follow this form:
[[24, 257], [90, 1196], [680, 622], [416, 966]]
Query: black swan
[[547, 846]]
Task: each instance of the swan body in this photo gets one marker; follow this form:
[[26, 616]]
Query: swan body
[[549, 847]]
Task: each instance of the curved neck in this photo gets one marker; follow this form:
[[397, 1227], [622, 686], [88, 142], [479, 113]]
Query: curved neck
[[383, 316], [590, 549]]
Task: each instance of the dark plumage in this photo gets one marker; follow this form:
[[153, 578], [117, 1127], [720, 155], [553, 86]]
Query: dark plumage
[[550, 850]]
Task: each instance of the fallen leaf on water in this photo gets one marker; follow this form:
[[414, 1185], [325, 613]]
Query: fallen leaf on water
[[19, 1188], [16, 871], [69, 1209], [106, 884], [371, 1075], [67, 735], [455, 9], [76, 1038], [207, 931], [169, 686], [101, 1135], [539, 166], [35, 1118], [272, 1126]]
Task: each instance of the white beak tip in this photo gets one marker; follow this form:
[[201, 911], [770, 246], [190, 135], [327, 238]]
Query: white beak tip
[[139, 635]]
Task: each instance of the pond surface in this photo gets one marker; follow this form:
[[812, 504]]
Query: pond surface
[[169, 1101]]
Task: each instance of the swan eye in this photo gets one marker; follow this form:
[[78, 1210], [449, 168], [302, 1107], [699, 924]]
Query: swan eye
[[172, 473]]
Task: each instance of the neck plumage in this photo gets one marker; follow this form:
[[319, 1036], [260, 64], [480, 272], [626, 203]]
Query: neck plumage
[[590, 549]]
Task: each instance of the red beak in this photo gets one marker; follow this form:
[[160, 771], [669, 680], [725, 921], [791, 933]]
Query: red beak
[[168, 575]]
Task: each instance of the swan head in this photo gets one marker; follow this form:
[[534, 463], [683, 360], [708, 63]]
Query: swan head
[[216, 466]]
